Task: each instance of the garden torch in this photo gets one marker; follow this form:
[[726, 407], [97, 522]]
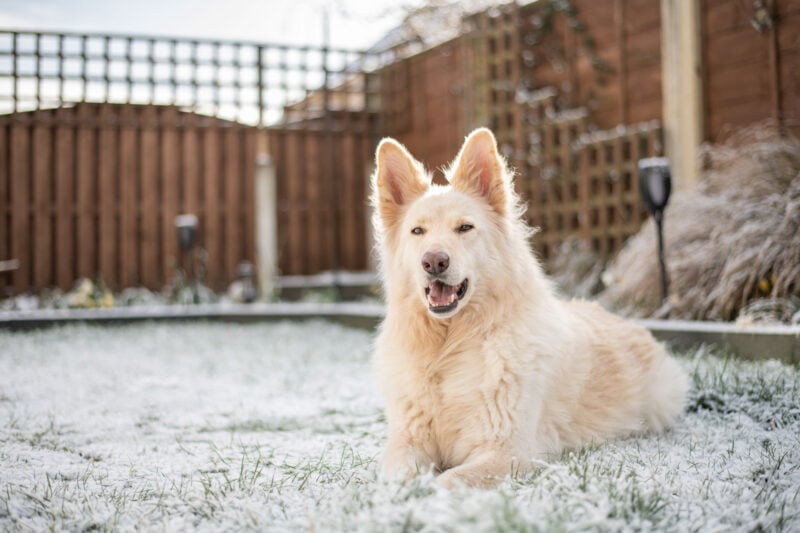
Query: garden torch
[[655, 184], [187, 238]]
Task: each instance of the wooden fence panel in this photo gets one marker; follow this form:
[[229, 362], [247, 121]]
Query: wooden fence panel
[[93, 191], [749, 74], [609, 177], [322, 199]]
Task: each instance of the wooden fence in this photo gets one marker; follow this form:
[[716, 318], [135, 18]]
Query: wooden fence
[[522, 70], [322, 180], [751, 65], [93, 191], [580, 183]]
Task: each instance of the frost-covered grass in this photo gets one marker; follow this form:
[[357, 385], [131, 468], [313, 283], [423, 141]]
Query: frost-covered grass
[[278, 427]]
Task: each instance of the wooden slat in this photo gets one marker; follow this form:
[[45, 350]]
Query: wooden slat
[[334, 192], [621, 60], [148, 212], [169, 159], [248, 193], [86, 195], [190, 175], [65, 190], [212, 221], [232, 178], [600, 169], [635, 155], [19, 154], [277, 150], [128, 200], [363, 158], [42, 234], [618, 169], [5, 207], [584, 192], [108, 197], [317, 246], [349, 188], [294, 236]]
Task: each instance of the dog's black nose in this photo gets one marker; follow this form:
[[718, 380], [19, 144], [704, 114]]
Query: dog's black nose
[[435, 262]]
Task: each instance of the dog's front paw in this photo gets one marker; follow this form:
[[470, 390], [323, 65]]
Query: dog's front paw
[[454, 480], [397, 473], [403, 465], [449, 481]]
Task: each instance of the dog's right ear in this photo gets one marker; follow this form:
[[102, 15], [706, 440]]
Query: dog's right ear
[[399, 180]]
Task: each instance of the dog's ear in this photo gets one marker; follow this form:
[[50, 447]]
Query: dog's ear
[[479, 169], [398, 180]]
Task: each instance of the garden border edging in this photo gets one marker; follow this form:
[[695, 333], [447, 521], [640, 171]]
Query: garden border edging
[[752, 341]]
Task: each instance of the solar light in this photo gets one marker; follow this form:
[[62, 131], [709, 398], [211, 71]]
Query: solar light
[[655, 184], [247, 273], [187, 231]]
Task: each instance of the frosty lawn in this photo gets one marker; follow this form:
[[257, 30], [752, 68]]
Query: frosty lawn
[[278, 427]]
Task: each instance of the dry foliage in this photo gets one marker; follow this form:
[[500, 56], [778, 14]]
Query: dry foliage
[[730, 243], [576, 269]]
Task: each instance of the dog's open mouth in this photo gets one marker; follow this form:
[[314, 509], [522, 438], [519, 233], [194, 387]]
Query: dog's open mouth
[[443, 297]]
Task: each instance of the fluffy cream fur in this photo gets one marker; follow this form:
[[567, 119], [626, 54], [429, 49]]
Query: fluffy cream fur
[[512, 374]]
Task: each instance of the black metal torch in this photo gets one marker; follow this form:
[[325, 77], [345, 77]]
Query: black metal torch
[[187, 238], [655, 184], [187, 231]]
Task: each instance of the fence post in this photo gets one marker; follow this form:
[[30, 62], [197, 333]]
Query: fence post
[[266, 225], [681, 81]]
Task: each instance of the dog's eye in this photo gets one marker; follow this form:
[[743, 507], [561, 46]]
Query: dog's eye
[[417, 231], [463, 228]]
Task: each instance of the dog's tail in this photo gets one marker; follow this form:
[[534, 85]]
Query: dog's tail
[[668, 388]]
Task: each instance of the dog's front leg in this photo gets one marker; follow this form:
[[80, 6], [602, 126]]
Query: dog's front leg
[[485, 469]]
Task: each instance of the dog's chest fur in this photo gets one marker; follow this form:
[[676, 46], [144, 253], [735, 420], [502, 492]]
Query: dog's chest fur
[[457, 399]]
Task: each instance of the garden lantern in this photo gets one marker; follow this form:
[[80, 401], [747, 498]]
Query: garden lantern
[[247, 273], [187, 231], [655, 184], [187, 238]]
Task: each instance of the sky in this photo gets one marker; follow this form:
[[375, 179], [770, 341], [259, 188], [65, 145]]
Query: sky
[[353, 23]]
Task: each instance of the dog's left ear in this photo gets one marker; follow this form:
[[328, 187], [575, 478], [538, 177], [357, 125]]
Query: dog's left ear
[[398, 180], [479, 170]]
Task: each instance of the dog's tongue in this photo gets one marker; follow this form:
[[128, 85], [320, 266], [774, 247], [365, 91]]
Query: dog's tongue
[[441, 294]]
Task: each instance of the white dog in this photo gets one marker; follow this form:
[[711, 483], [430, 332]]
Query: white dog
[[485, 370]]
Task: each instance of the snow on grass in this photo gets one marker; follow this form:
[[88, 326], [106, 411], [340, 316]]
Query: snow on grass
[[278, 427]]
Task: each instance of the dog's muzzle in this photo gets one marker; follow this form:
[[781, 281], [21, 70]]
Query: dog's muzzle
[[442, 297]]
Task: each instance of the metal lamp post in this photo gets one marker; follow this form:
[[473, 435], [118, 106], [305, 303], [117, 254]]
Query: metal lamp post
[[187, 237], [187, 231], [655, 184]]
